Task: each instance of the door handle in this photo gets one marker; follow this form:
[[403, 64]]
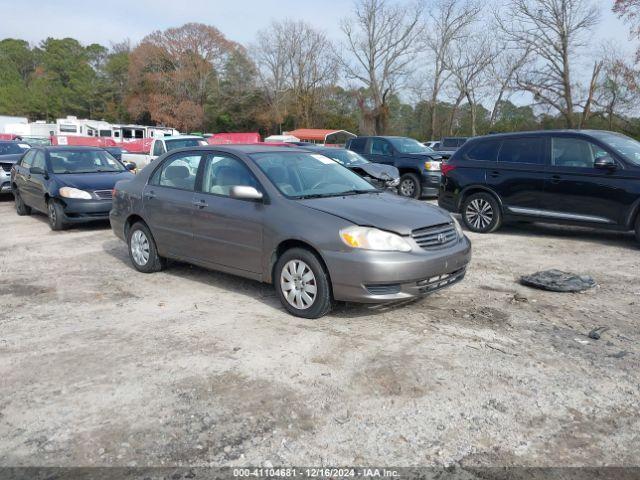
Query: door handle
[[199, 203], [556, 179], [494, 174]]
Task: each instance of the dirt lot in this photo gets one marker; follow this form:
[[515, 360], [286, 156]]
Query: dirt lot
[[101, 365]]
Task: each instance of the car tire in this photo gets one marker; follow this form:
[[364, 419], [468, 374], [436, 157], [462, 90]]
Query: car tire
[[309, 295], [21, 207], [638, 228], [143, 251], [55, 212], [410, 186], [481, 213]]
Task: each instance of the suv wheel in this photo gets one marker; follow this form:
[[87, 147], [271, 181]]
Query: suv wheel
[[481, 213], [56, 215], [410, 186], [302, 285], [638, 228], [143, 251], [21, 207]]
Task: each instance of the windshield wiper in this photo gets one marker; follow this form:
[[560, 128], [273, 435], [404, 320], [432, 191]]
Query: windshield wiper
[[357, 192]]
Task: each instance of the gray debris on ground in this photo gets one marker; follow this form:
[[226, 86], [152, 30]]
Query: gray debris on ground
[[558, 281]]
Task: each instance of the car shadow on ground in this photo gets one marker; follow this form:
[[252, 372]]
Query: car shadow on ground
[[253, 289]]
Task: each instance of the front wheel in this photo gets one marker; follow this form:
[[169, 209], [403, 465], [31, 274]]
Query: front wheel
[[302, 285], [55, 213], [410, 186], [638, 228], [143, 251], [21, 207], [481, 213]]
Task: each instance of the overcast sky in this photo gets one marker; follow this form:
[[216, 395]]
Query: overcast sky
[[115, 20]]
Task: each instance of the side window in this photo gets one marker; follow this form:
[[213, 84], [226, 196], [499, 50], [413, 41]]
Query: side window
[[27, 160], [158, 148], [38, 160], [484, 151], [574, 152], [358, 144], [522, 150], [380, 147], [222, 172], [178, 172]]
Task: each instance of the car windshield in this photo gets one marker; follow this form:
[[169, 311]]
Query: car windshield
[[344, 157], [409, 145], [310, 175], [623, 145], [13, 148], [83, 161], [184, 143]]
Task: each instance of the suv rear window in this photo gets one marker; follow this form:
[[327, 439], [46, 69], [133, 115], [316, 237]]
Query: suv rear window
[[357, 144], [522, 150], [485, 150]]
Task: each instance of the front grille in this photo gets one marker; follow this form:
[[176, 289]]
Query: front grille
[[6, 166], [388, 289], [104, 194], [435, 237]]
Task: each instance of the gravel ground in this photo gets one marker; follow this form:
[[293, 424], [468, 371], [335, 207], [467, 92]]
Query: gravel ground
[[101, 365]]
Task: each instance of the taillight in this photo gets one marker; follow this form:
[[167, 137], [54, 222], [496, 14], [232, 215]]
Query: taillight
[[446, 168]]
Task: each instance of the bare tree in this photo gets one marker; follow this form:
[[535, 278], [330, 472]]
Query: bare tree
[[382, 40], [449, 22], [618, 87], [503, 71], [553, 31], [469, 63]]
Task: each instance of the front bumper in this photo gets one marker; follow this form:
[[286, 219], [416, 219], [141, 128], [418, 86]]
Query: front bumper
[[82, 211], [430, 183], [5, 181], [366, 276]]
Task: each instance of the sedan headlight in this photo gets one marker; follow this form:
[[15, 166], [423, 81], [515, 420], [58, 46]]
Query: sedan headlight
[[373, 239], [70, 192], [456, 223]]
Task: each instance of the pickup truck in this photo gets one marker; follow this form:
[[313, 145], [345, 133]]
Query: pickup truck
[[160, 146], [448, 145], [419, 166]]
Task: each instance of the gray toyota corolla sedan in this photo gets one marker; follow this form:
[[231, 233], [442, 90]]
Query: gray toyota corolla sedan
[[290, 217]]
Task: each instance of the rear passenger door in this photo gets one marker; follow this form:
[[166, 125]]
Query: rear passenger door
[[168, 204], [576, 190], [520, 174]]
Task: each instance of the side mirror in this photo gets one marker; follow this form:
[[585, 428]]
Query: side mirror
[[605, 163], [243, 192], [130, 166], [36, 171]]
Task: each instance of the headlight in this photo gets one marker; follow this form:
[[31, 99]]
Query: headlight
[[432, 166], [373, 239], [70, 192], [458, 227]]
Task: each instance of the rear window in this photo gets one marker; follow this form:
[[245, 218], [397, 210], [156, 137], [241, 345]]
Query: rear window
[[483, 151], [357, 144], [522, 150]]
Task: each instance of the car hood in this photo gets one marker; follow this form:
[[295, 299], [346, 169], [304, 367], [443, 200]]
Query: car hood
[[423, 156], [378, 170], [13, 158], [385, 211], [93, 181]]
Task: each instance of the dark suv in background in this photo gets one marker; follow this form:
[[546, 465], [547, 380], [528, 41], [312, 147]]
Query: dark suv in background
[[419, 165], [448, 145], [589, 178]]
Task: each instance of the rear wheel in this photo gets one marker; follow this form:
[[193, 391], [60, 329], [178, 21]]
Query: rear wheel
[[302, 285], [481, 213], [410, 186], [21, 207], [55, 213], [638, 228], [143, 251]]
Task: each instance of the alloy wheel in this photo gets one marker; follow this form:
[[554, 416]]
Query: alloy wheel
[[298, 284], [140, 247], [407, 188], [52, 213], [479, 213]]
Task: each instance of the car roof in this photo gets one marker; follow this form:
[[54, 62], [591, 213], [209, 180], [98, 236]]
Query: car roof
[[181, 137], [60, 148], [247, 148], [533, 133]]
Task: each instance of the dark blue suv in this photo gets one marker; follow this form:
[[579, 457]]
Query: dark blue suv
[[419, 166], [589, 178]]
